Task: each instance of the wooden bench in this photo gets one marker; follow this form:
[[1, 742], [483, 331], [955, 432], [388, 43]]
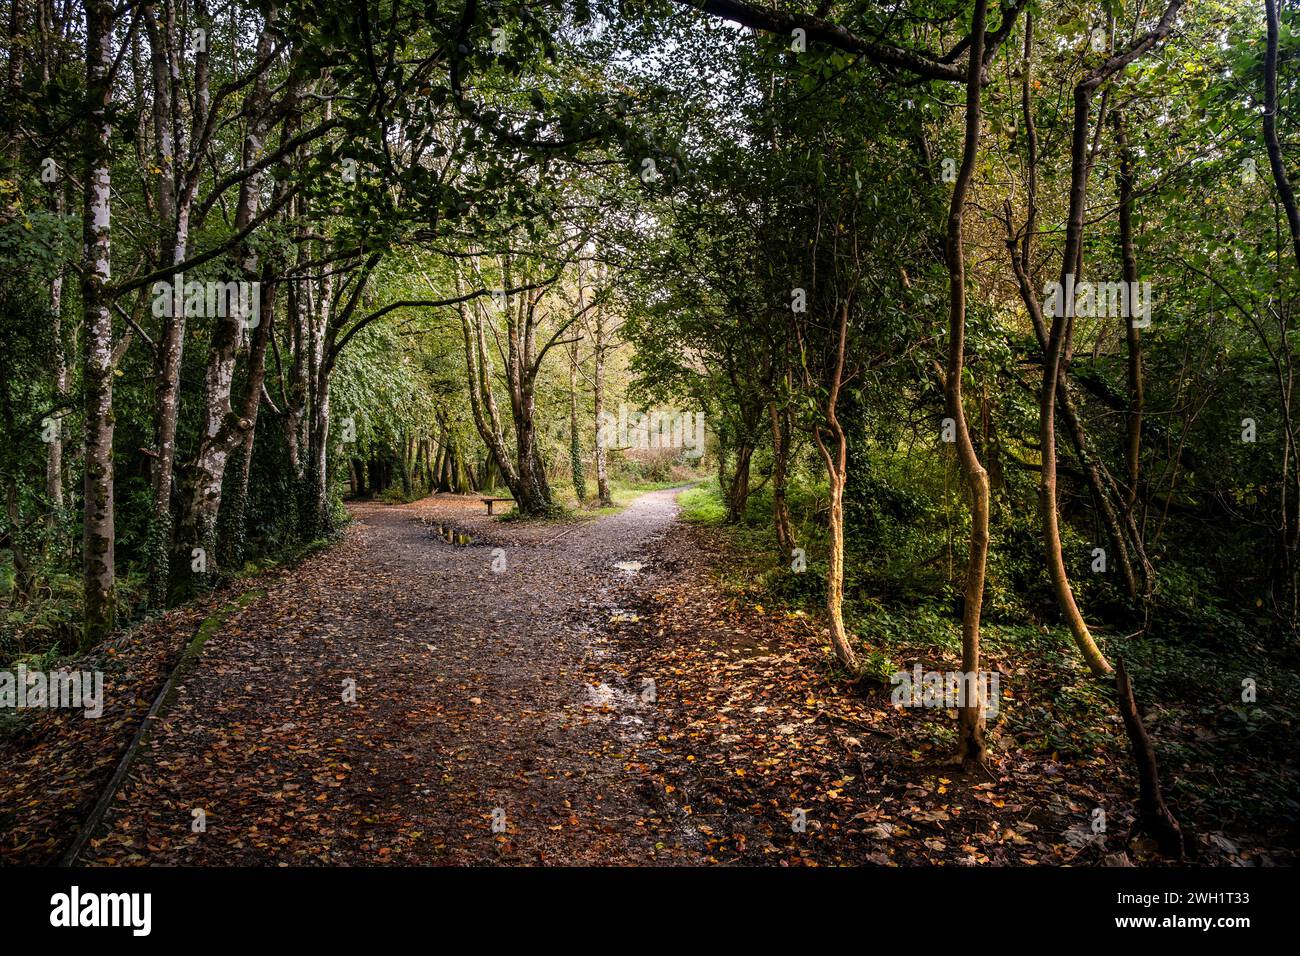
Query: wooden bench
[[491, 501]]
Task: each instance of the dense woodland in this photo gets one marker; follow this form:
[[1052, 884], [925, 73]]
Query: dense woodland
[[987, 308]]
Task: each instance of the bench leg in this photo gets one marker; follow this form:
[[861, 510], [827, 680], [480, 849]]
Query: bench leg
[[490, 509]]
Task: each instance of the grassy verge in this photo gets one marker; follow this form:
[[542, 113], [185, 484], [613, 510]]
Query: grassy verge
[[622, 492]]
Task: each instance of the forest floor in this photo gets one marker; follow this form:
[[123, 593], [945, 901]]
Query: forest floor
[[577, 692]]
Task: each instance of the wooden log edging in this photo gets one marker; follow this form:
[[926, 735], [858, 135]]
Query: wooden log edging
[[192, 650]]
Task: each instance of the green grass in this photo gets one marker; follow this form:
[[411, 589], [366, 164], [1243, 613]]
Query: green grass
[[622, 491], [703, 504]]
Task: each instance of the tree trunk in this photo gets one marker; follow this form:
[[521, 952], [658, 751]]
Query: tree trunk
[[1154, 817], [317, 478], [461, 475], [440, 456], [487, 417], [59, 383], [738, 488], [576, 464], [836, 461], [1272, 104], [491, 474], [220, 432], [1054, 362], [1282, 357], [177, 184], [534, 494], [316, 509], [785, 540], [235, 505], [603, 497], [12, 532], [221, 428], [23, 577], [971, 746], [99, 583], [1094, 470], [409, 452], [295, 406], [54, 495]]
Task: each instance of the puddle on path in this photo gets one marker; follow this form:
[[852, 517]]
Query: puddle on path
[[631, 567], [615, 703], [453, 537], [605, 695]]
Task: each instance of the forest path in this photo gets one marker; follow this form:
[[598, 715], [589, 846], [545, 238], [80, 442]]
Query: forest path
[[479, 700]]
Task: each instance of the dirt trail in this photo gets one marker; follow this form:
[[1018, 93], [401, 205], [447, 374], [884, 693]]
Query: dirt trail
[[477, 690], [520, 690]]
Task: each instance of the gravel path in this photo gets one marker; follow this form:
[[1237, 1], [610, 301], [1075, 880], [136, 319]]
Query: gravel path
[[483, 729]]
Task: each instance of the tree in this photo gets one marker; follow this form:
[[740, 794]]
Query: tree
[[970, 738], [99, 537]]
